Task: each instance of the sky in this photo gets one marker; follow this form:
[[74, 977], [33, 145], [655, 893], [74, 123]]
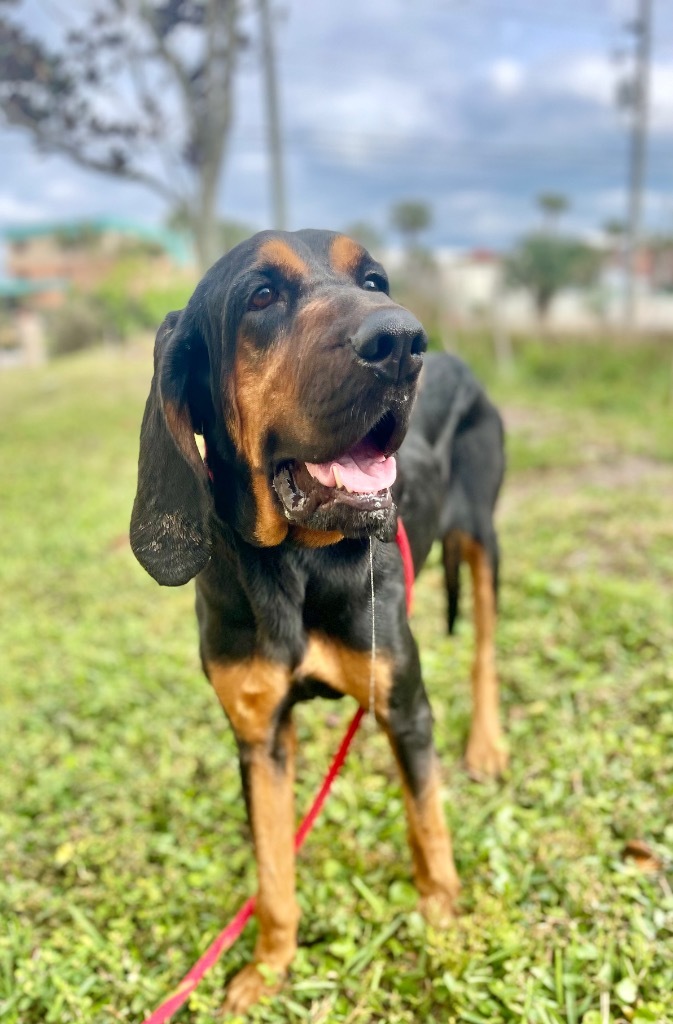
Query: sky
[[474, 106]]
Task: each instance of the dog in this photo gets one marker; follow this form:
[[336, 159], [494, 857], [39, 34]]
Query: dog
[[301, 374]]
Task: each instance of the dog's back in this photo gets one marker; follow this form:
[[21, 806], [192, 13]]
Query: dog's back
[[451, 467]]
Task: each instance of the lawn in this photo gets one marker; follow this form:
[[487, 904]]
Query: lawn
[[123, 842]]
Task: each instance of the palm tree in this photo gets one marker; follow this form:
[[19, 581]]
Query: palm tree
[[410, 217], [552, 204]]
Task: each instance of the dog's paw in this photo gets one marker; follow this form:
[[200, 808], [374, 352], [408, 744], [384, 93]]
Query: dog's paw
[[249, 986], [486, 756], [438, 908]]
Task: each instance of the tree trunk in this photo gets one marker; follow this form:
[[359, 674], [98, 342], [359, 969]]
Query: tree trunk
[[205, 226], [215, 118], [543, 301]]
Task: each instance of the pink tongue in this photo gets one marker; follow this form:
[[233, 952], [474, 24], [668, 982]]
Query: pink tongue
[[361, 470]]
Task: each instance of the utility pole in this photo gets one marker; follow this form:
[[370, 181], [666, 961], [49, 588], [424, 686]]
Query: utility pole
[[272, 118], [639, 102]]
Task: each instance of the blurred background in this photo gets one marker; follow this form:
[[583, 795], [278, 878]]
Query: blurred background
[[512, 162]]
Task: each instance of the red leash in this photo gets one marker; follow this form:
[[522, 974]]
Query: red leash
[[403, 544], [228, 936]]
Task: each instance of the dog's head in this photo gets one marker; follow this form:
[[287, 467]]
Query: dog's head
[[300, 371]]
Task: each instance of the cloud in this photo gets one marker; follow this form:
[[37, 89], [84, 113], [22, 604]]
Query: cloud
[[371, 116], [479, 216], [506, 76], [594, 78], [661, 92], [391, 100], [590, 77], [14, 210]]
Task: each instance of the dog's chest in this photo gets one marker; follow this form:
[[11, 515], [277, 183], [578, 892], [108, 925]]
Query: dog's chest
[[298, 594]]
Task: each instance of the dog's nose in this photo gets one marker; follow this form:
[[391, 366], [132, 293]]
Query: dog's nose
[[392, 342]]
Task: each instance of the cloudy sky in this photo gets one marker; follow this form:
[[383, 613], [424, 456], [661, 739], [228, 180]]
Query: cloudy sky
[[475, 106]]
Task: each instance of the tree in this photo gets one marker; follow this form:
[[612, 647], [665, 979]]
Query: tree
[[545, 264], [168, 64], [615, 228], [552, 204], [410, 217]]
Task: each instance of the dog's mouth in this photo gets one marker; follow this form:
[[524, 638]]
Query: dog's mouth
[[358, 479]]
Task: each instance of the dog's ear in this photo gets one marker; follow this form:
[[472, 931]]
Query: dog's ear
[[170, 522]]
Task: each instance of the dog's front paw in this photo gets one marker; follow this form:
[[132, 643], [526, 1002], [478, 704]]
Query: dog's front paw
[[486, 756], [249, 985], [438, 908]]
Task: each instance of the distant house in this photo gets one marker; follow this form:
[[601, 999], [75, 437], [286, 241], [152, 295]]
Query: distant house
[[43, 262], [473, 288], [80, 254]]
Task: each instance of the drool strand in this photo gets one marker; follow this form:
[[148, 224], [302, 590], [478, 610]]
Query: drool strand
[[372, 670]]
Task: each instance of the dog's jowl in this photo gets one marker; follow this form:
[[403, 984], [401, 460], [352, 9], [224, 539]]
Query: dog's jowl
[[323, 419]]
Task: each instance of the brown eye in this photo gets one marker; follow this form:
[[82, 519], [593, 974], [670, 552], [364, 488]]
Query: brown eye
[[263, 297]]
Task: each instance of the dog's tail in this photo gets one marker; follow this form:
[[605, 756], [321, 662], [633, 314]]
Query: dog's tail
[[451, 558], [461, 405]]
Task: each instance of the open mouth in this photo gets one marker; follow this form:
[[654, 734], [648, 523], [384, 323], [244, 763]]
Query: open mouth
[[358, 479]]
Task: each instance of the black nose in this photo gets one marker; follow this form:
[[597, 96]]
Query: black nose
[[392, 341]]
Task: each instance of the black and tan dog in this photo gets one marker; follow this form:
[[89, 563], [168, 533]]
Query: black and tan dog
[[301, 374]]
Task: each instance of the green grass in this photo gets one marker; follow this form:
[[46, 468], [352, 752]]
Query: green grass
[[123, 843]]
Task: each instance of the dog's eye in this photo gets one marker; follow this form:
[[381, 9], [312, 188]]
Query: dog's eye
[[374, 283], [263, 297]]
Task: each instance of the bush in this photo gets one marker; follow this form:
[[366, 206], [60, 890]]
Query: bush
[[156, 302], [78, 325], [129, 302]]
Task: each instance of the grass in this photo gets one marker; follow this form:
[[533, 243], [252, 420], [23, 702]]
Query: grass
[[123, 843]]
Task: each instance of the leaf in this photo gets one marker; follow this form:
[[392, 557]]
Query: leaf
[[626, 991], [642, 856]]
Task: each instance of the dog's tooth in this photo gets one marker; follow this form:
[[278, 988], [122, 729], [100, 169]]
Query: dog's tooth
[[339, 482]]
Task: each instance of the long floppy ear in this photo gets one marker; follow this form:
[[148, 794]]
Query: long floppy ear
[[170, 522]]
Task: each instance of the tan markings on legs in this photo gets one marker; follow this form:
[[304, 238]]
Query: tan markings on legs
[[486, 755], [348, 671], [250, 693], [345, 254], [431, 850], [272, 816]]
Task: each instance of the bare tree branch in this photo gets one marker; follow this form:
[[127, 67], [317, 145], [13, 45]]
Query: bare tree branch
[[62, 96]]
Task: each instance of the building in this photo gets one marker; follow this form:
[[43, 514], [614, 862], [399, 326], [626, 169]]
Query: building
[[81, 254]]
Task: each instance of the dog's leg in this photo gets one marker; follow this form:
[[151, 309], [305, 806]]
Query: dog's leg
[[403, 711], [408, 723], [251, 694], [486, 755]]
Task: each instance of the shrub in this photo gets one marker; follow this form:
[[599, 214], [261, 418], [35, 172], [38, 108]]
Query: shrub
[[78, 325], [130, 299]]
